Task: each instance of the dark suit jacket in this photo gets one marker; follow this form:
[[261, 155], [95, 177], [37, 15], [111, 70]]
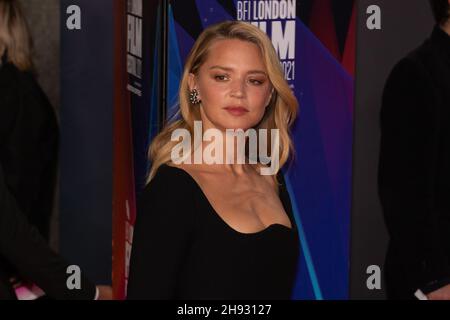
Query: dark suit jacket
[[414, 169], [22, 245]]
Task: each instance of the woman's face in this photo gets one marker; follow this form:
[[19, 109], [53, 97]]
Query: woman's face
[[233, 86]]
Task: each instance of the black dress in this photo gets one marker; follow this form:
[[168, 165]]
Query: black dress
[[182, 249]]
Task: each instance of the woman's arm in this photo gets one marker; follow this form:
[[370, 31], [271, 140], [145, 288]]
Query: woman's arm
[[162, 236]]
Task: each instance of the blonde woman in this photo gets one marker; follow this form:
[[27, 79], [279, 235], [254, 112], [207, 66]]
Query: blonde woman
[[28, 125], [220, 230]]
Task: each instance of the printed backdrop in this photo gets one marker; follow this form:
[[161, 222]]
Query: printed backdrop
[[315, 40]]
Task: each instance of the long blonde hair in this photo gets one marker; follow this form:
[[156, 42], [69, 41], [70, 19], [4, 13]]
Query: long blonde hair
[[280, 113], [15, 39]]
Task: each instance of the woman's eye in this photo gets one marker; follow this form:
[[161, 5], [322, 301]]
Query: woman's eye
[[256, 82], [221, 77]]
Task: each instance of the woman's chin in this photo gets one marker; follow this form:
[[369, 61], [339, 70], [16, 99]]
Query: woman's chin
[[237, 125]]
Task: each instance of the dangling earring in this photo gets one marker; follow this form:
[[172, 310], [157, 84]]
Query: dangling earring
[[193, 97]]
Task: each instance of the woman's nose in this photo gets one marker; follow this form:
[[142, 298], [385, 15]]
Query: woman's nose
[[238, 88]]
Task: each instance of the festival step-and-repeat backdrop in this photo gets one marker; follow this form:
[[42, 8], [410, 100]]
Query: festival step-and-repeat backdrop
[[315, 41], [120, 73]]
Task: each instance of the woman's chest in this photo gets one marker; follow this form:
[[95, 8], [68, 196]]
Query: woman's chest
[[248, 206]]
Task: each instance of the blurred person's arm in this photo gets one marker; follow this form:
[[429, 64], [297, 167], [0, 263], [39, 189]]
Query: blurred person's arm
[[23, 246]]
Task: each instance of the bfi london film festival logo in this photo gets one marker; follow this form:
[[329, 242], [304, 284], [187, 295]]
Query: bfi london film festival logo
[[135, 14], [134, 25], [278, 20]]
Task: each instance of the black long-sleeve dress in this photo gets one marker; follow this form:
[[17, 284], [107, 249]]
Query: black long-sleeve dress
[[182, 249]]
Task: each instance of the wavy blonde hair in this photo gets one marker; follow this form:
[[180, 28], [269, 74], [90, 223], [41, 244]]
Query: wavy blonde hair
[[15, 39], [280, 114]]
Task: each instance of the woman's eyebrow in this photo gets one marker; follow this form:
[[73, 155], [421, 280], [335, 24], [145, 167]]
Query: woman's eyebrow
[[257, 71], [231, 69], [221, 67]]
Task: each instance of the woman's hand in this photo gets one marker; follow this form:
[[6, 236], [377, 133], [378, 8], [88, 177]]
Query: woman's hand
[[440, 294], [105, 293]]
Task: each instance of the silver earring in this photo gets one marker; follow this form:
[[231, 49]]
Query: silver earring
[[193, 97]]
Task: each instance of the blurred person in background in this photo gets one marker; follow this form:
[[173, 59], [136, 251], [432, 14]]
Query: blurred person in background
[[28, 124], [414, 168], [28, 146]]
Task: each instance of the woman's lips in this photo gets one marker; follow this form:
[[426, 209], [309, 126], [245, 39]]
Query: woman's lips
[[237, 111]]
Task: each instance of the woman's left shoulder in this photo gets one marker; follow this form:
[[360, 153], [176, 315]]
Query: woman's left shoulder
[[170, 179]]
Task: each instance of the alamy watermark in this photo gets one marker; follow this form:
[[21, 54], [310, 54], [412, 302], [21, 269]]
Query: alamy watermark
[[236, 141], [73, 281]]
